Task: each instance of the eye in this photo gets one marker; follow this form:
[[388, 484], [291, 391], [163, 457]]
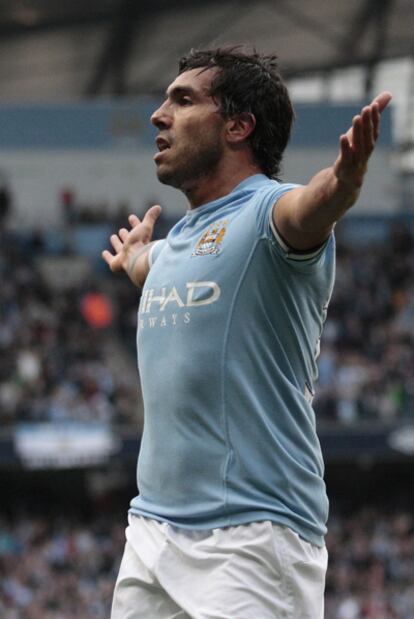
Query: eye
[[185, 101]]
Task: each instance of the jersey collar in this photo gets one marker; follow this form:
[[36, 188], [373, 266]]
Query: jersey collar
[[248, 184]]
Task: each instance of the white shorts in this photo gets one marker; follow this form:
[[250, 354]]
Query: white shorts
[[254, 571]]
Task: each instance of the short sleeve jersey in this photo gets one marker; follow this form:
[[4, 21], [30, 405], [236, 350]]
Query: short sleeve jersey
[[228, 334]]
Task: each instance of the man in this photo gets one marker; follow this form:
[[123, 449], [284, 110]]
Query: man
[[230, 519]]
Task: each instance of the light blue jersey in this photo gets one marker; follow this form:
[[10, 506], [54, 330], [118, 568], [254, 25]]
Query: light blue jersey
[[228, 333]]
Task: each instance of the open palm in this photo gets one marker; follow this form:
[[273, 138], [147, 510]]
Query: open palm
[[358, 143], [131, 245]]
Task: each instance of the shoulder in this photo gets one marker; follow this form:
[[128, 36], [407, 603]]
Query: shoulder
[[277, 188], [264, 199]]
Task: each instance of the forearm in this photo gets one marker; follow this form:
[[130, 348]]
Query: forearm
[[323, 201], [305, 216], [137, 266]]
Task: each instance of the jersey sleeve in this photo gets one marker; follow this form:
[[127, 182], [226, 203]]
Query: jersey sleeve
[[301, 260], [155, 251]]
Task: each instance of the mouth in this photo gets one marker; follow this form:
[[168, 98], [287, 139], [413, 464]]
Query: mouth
[[163, 145]]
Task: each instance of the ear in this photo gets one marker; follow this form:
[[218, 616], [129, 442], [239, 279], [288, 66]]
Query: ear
[[240, 127]]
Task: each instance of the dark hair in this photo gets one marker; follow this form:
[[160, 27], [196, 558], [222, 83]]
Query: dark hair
[[250, 82]]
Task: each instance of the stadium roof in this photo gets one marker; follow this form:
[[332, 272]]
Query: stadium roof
[[137, 42]]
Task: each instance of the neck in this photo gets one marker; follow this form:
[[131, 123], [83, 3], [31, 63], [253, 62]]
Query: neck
[[217, 183]]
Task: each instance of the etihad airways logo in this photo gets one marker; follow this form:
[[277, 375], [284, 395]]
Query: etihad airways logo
[[168, 302]]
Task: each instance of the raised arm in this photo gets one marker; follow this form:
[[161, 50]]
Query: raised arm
[[132, 247], [304, 217]]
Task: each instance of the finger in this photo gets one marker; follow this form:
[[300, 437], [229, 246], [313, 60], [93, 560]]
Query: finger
[[149, 220], [107, 256], [123, 233], [382, 100], [152, 215], [116, 243], [114, 262], [134, 220], [367, 130], [357, 136], [375, 121], [346, 149], [350, 133]]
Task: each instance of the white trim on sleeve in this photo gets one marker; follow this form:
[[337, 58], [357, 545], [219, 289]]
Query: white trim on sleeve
[[151, 251], [291, 253]]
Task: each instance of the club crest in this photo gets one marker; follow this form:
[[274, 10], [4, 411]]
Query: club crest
[[212, 239]]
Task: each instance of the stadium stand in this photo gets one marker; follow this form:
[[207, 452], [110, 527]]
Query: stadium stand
[[54, 368], [81, 560], [62, 363], [54, 365], [367, 355], [370, 574]]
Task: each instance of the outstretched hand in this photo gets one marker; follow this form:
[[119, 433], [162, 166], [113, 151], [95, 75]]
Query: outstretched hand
[[358, 143], [130, 245]]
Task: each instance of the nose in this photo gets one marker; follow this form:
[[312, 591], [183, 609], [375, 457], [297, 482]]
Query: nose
[[160, 118]]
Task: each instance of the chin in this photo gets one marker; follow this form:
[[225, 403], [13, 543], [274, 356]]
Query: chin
[[165, 177], [169, 177]]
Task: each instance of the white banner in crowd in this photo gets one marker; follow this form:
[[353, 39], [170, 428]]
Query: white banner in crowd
[[64, 445]]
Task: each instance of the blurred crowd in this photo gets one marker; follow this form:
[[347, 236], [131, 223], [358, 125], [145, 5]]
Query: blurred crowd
[[58, 569], [53, 365], [371, 566], [366, 365]]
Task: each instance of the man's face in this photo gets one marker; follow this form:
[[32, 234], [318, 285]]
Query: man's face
[[191, 130]]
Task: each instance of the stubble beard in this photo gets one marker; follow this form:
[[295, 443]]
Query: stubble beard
[[192, 166]]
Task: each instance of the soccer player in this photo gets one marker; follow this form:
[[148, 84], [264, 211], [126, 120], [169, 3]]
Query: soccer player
[[230, 518]]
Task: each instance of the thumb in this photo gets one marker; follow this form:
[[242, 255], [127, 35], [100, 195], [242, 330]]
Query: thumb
[[152, 215]]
